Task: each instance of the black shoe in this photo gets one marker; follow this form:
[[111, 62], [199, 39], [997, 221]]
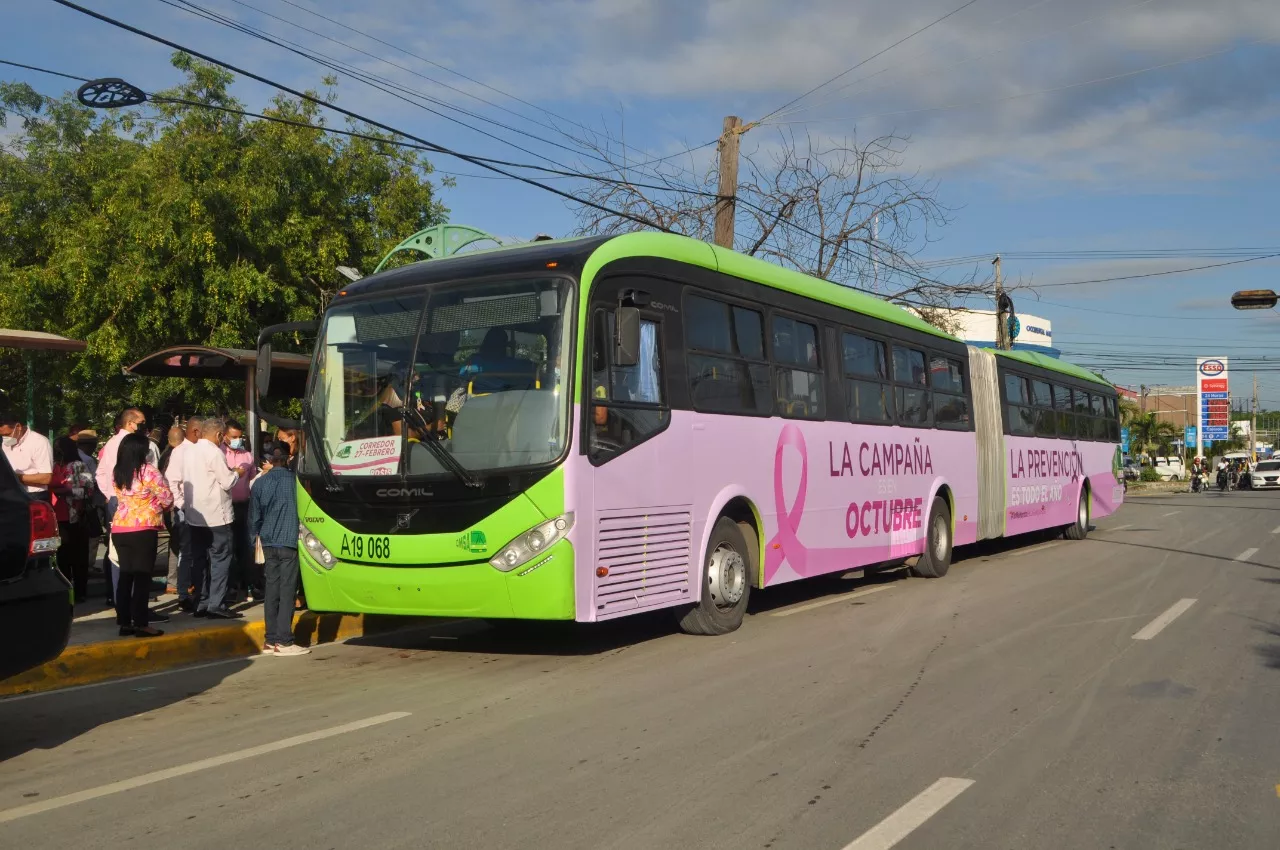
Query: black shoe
[[225, 614], [157, 617], [146, 632], [125, 631], [187, 605], [200, 613]]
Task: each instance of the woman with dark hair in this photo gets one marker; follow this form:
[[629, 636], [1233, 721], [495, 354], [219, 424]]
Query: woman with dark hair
[[72, 488], [142, 497], [290, 437]]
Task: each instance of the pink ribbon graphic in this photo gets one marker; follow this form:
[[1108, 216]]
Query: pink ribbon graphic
[[786, 545]]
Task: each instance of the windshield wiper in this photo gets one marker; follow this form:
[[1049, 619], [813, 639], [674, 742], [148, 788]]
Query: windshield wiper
[[331, 482], [439, 452]]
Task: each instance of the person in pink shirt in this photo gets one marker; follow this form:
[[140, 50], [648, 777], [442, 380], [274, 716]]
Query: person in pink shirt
[[235, 446], [142, 496]]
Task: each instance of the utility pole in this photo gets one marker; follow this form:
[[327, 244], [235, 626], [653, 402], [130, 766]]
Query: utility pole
[[1002, 317], [728, 191], [1253, 429]]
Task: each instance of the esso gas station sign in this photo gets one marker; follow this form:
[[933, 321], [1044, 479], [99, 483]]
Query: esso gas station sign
[[1215, 399]]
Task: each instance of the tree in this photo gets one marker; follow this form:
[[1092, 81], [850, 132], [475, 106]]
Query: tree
[[1129, 411], [842, 211], [1148, 432], [179, 223]]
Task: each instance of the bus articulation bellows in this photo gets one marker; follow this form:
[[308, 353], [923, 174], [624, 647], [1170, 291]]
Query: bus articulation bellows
[[589, 428]]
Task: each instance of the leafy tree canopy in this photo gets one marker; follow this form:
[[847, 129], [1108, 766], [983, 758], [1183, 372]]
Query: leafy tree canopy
[[176, 223]]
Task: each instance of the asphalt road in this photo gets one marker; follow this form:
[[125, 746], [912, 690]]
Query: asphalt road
[[1121, 692]]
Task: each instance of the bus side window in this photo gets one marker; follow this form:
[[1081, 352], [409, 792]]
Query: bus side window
[[627, 406]]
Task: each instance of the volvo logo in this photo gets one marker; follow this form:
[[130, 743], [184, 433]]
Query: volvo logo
[[1212, 367], [396, 492]]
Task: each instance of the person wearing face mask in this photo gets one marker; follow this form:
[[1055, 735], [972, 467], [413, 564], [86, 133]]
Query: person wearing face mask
[[30, 454], [130, 421], [235, 447]]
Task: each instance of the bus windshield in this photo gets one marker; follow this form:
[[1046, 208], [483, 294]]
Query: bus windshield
[[476, 368]]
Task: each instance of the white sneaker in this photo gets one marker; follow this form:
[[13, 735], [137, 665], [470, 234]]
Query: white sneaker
[[291, 649], [268, 649]]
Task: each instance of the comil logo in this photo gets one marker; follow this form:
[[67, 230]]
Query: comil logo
[[1212, 368]]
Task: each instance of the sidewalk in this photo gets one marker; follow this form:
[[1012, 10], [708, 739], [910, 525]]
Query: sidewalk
[[96, 652]]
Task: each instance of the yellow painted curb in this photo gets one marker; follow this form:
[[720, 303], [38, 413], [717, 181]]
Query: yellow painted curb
[[85, 664]]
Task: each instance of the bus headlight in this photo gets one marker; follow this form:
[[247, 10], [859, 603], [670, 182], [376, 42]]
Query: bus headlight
[[315, 548], [532, 543]]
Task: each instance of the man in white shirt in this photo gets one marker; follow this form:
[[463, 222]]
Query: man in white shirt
[[130, 420], [206, 504], [176, 475], [30, 454]]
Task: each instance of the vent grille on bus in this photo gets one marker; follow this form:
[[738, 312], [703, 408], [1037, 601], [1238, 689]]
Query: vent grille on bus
[[647, 555]]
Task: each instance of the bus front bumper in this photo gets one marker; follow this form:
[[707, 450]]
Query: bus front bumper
[[541, 589]]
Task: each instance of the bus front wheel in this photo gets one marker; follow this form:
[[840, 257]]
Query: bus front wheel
[[726, 583], [936, 558]]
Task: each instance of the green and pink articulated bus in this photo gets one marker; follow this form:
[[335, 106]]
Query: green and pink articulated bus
[[591, 428]]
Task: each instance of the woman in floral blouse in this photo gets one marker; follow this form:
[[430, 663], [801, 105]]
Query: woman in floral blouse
[[142, 497]]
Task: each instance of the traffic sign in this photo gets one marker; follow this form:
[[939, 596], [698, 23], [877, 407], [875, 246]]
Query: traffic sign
[[1189, 435]]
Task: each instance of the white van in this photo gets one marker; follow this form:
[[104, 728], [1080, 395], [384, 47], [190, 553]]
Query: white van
[[1170, 468]]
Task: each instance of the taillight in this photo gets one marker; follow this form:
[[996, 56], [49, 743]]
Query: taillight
[[44, 529]]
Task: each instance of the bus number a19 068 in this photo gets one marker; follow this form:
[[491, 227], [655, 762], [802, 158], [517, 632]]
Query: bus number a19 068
[[361, 546]]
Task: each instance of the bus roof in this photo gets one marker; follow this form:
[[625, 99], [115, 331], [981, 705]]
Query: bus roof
[[698, 253], [1053, 364]]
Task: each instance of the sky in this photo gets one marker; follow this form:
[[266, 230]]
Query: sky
[[1139, 130]]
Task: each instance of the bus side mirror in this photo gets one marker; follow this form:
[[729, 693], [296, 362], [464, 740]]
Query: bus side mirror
[[626, 341], [262, 368]]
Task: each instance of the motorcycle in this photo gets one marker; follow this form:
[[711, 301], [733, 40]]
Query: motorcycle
[[1197, 482], [1223, 481]]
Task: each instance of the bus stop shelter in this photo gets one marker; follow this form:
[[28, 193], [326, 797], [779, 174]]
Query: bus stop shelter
[[288, 373], [36, 341]]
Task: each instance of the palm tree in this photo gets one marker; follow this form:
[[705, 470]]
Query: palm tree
[[1148, 431], [1128, 411]]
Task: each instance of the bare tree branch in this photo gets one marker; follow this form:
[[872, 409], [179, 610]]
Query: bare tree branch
[[840, 210]]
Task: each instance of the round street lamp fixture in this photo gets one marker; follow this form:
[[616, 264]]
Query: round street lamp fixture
[[110, 93], [1254, 299]]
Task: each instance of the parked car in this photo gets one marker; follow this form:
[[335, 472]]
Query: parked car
[[35, 599], [1265, 475], [1170, 468]]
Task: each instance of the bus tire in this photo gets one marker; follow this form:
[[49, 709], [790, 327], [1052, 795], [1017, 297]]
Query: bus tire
[[936, 558], [726, 583], [1079, 529]]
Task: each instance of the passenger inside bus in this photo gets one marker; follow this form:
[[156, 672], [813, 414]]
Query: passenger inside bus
[[492, 369]]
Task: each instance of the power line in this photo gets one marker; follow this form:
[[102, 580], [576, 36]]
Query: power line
[[369, 79], [43, 70], [1158, 274], [402, 67], [848, 71], [1134, 315], [354, 115], [833, 96], [430, 62], [990, 101]]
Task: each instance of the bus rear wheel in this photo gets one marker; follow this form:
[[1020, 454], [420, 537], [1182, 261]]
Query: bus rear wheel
[[726, 583], [936, 558], [1080, 528]]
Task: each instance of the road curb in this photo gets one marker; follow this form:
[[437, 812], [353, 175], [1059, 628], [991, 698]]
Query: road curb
[[86, 664]]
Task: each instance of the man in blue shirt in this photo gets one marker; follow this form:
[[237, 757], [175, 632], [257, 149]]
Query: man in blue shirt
[[273, 521]]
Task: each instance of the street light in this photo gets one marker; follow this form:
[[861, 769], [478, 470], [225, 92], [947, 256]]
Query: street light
[[1254, 299], [349, 273]]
